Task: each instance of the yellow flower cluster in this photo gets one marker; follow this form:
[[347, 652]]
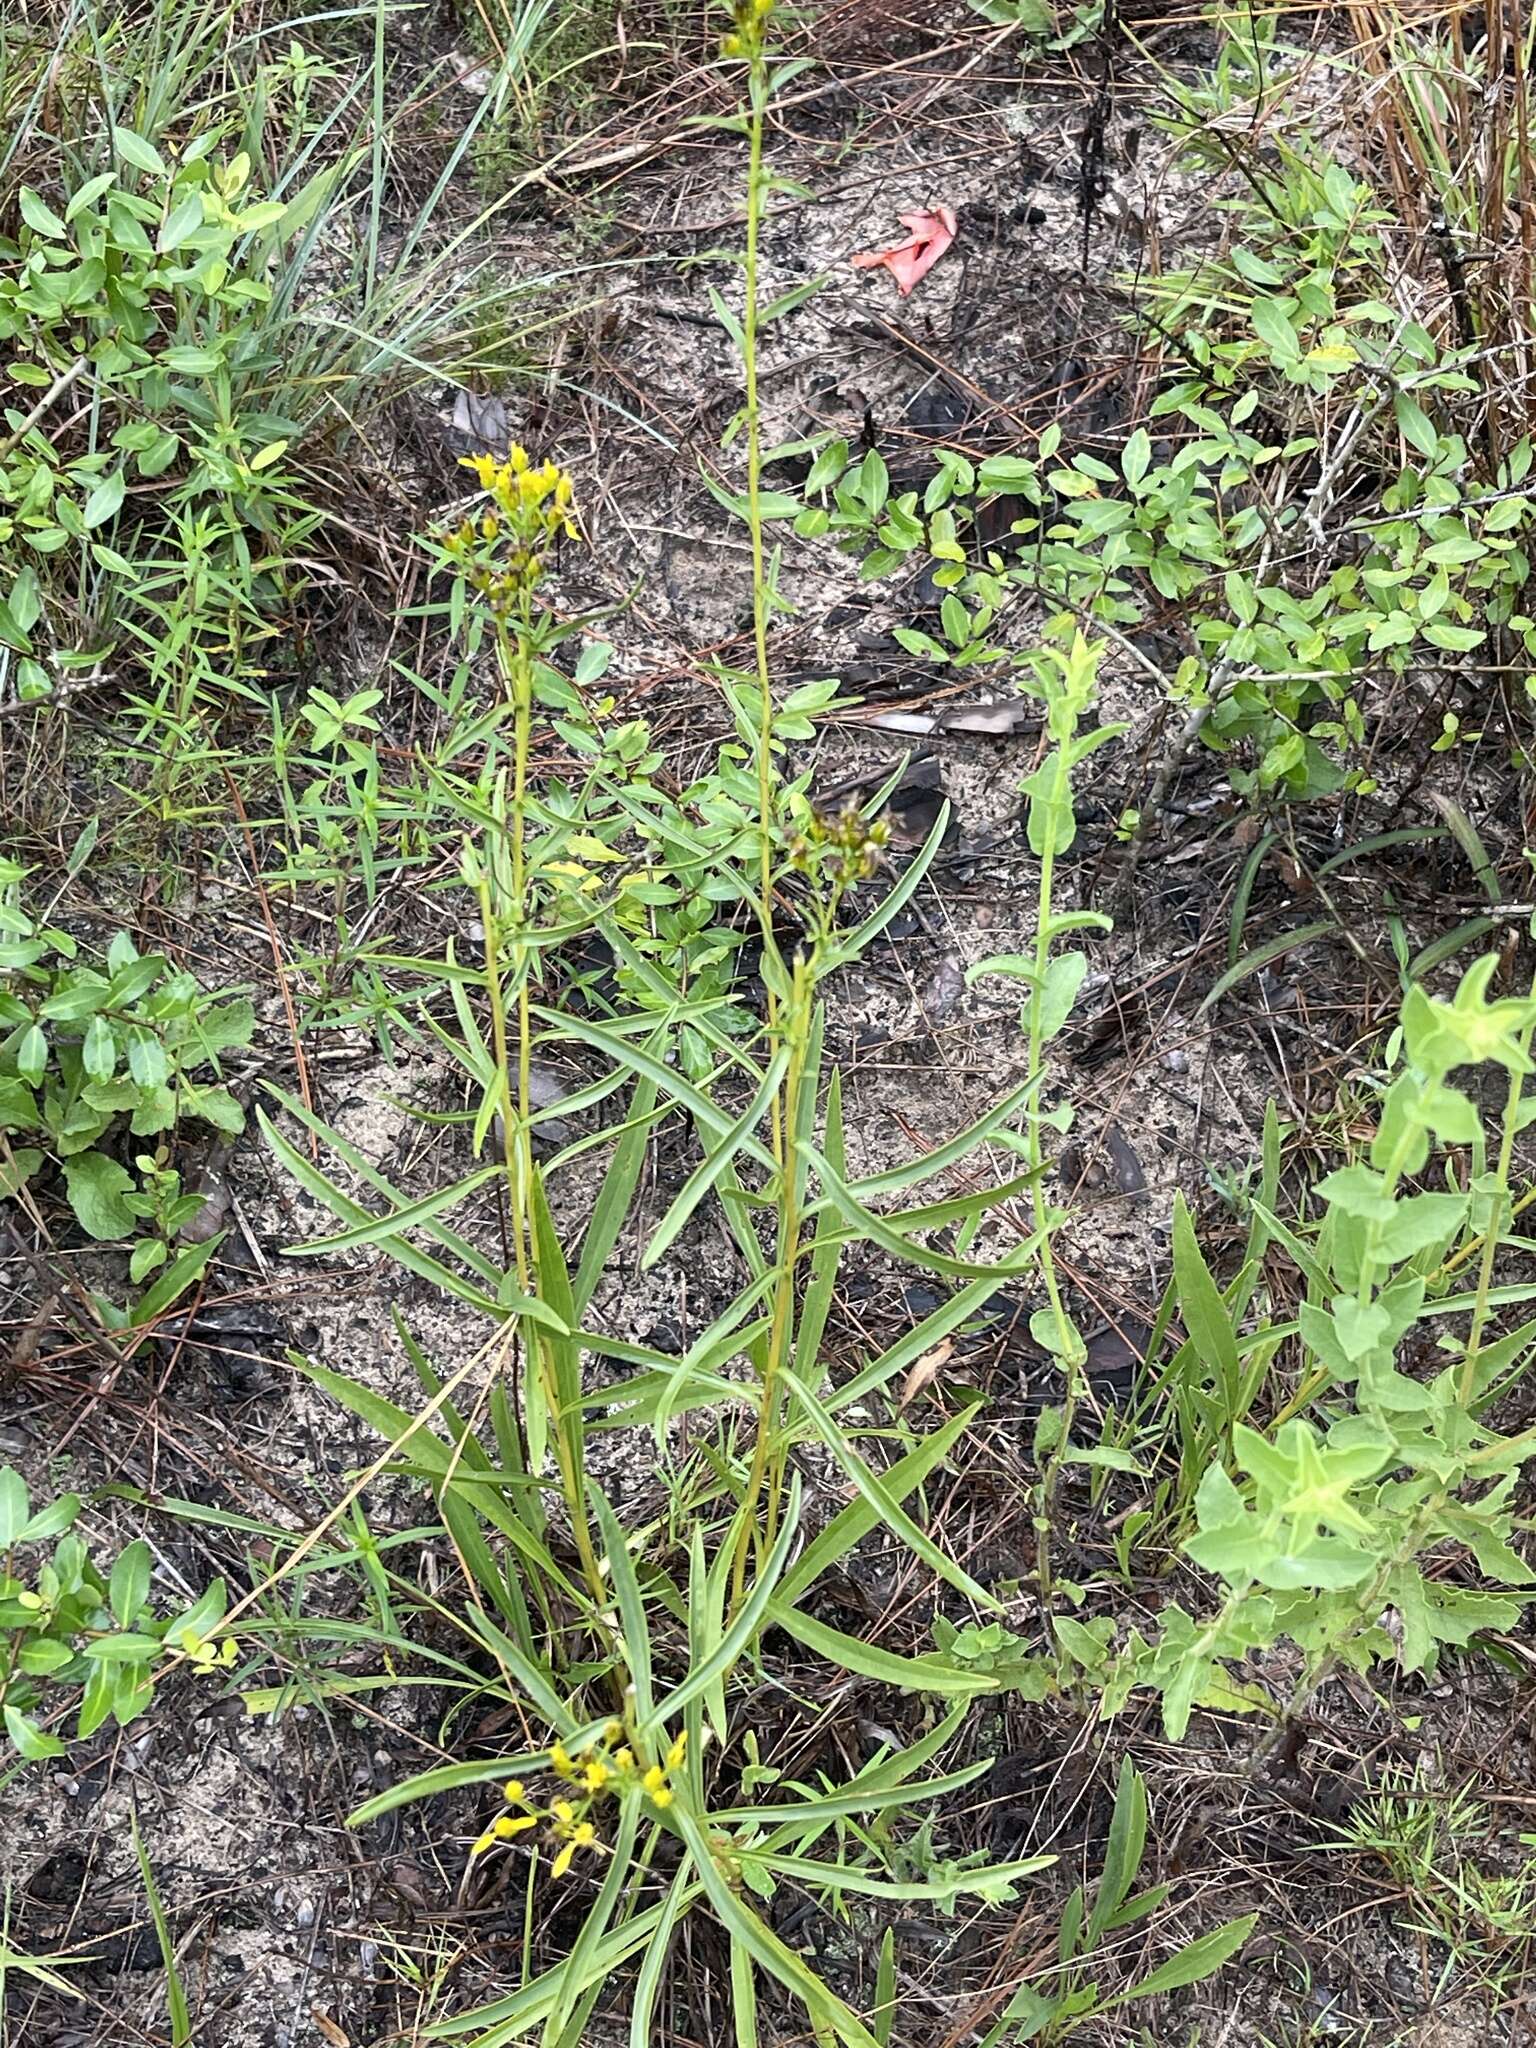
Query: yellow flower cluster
[[615, 1769], [602, 1770], [749, 37], [844, 850], [501, 554], [536, 502]]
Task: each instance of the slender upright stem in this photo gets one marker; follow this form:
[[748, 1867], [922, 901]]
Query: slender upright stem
[[515, 647], [767, 1460], [757, 89], [784, 1111], [1035, 1152]]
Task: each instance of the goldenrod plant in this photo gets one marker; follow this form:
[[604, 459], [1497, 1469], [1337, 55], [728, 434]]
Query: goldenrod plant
[[628, 1576]]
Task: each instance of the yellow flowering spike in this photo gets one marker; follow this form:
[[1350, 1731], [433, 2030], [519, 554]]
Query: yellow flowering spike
[[501, 552], [584, 1836], [512, 1791], [594, 1777], [678, 1751], [662, 1796], [563, 1812], [623, 1759], [749, 38], [560, 1761], [486, 1841], [506, 1825], [562, 1862]]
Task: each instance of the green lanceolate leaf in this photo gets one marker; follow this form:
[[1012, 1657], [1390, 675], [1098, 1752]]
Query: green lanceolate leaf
[[631, 1603], [714, 1163], [1202, 1958], [826, 2010], [1205, 1313], [879, 1496], [867, 1660]]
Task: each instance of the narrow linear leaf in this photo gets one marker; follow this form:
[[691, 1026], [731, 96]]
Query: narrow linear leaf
[[868, 1660], [850, 1525], [827, 2011], [631, 1602], [714, 1163], [745, 1626], [892, 1513], [1261, 956]]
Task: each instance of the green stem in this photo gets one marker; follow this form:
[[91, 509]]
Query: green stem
[[1067, 1339], [767, 1455], [785, 1107], [1496, 1225], [515, 647], [757, 90]]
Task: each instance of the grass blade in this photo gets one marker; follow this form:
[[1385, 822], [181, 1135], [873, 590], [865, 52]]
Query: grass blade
[[175, 1992], [1261, 956]]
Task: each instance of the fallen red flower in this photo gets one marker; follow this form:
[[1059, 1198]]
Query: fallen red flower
[[932, 231]]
